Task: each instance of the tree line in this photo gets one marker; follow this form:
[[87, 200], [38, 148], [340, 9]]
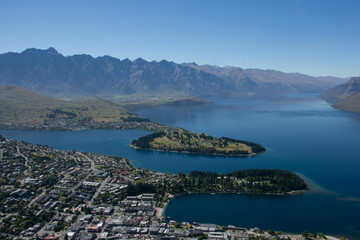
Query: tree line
[[144, 142], [240, 181]]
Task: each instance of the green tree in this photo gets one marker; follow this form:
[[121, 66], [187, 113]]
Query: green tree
[[320, 235], [204, 236], [305, 234]]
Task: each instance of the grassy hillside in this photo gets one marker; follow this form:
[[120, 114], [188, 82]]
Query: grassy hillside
[[351, 103], [185, 141], [21, 106], [102, 110]]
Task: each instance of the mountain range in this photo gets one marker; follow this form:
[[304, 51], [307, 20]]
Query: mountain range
[[50, 73]]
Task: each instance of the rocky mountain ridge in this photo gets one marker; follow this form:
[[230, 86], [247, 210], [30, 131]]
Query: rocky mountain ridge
[[51, 73]]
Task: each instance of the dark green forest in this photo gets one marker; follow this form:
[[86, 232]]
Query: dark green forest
[[271, 181]]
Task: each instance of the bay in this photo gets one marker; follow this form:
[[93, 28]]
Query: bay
[[301, 133], [305, 135], [293, 214]]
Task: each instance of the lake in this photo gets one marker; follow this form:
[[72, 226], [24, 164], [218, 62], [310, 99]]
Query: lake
[[302, 133]]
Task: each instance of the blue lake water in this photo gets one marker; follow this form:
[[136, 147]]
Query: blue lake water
[[302, 133], [295, 214]]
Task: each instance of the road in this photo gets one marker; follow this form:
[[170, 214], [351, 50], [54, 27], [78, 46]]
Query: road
[[22, 155], [87, 158], [126, 178], [26, 164], [36, 198], [126, 163], [73, 189], [90, 204]]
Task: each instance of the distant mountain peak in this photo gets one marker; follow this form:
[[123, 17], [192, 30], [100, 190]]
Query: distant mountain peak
[[190, 64], [140, 60], [52, 50], [30, 51]]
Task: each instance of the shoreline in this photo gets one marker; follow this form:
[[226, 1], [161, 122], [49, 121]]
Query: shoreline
[[313, 186], [203, 154], [160, 212], [292, 235], [318, 189], [163, 209]]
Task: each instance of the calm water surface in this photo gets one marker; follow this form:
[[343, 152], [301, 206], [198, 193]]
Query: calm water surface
[[302, 134]]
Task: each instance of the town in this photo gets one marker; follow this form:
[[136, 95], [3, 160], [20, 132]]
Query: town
[[52, 194], [68, 124]]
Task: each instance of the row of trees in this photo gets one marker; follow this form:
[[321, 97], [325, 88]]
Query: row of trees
[[144, 142], [136, 119]]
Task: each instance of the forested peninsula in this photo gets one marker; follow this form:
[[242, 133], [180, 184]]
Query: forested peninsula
[[181, 140], [249, 180], [264, 181]]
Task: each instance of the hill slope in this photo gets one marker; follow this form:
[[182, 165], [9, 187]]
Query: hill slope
[[50, 73], [21, 106], [345, 96], [342, 91], [351, 103]]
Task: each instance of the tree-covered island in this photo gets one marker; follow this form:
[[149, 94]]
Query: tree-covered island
[[181, 140]]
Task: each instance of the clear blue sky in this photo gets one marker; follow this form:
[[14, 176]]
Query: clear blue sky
[[315, 37]]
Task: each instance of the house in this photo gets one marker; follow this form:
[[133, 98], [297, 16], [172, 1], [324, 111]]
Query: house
[[93, 228], [51, 238]]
